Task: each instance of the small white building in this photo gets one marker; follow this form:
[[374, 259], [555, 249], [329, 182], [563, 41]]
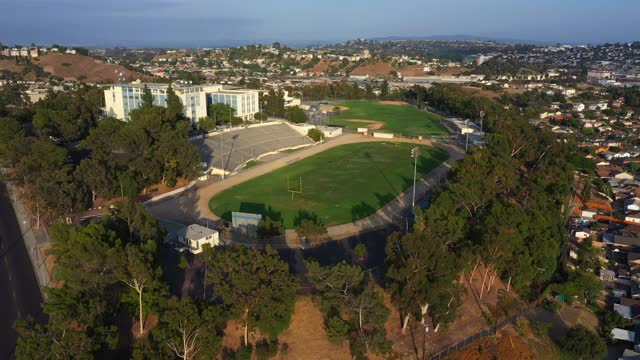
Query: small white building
[[195, 236], [632, 204], [624, 335]]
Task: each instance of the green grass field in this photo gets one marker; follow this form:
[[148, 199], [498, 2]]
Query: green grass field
[[398, 119], [340, 185]]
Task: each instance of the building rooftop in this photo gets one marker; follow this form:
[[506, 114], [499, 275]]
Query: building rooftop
[[196, 232]]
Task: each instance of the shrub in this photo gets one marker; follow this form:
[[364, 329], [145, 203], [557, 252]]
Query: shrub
[[337, 330], [295, 114], [541, 328], [584, 344], [268, 228], [260, 116], [308, 227], [522, 326], [266, 349], [244, 353], [315, 135], [551, 305]]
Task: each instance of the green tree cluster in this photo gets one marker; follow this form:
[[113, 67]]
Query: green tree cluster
[[98, 271], [256, 286], [502, 207], [353, 307], [114, 158]]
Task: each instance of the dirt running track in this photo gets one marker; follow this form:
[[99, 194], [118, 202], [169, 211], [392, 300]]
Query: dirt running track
[[193, 206]]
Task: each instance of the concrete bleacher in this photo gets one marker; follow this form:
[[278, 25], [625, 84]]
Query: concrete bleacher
[[230, 150]]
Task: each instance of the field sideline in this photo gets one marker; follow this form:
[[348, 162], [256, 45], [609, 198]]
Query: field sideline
[[404, 120], [340, 185]]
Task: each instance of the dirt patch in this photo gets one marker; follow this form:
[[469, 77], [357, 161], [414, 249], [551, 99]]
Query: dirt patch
[[49, 263], [331, 107], [392, 102], [233, 336], [320, 68], [10, 65], [472, 317], [372, 124], [452, 71], [412, 70], [162, 188], [306, 337], [573, 315], [375, 69], [474, 91], [506, 345], [150, 321], [89, 69]]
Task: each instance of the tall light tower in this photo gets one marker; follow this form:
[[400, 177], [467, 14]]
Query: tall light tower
[[415, 153], [466, 129]]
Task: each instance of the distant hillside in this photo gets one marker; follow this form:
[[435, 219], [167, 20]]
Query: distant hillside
[[376, 69], [75, 67]]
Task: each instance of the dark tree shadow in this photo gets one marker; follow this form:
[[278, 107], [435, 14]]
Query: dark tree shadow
[[303, 215], [362, 210]]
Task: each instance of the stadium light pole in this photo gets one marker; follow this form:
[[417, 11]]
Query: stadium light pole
[[466, 129], [415, 152]]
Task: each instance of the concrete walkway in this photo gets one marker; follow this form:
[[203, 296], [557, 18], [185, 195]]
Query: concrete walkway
[[193, 206], [33, 240]]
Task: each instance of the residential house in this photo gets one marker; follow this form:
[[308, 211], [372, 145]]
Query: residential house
[[578, 107], [624, 335], [632, 204], [629, 354], [194, 236], [627, 312], [588, 213], [621, 242], [623, 175], [607, 275]]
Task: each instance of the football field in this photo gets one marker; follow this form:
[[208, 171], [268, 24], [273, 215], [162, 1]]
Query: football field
[[340, 185]]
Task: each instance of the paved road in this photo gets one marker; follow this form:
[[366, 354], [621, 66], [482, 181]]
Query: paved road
[[19, 291]]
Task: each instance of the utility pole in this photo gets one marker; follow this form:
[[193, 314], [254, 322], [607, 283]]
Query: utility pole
[[221, 155], [415, 153], [481, 117], [466, 129]]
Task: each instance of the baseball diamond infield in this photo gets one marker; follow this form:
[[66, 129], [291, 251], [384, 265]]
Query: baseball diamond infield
[[404, 119]]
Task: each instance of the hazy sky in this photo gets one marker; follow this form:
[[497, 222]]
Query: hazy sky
[[215, 22]]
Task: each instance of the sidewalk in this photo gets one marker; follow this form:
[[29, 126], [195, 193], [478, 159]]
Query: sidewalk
[[33, 240]]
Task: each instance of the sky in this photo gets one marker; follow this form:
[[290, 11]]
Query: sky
[[207, 23]]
